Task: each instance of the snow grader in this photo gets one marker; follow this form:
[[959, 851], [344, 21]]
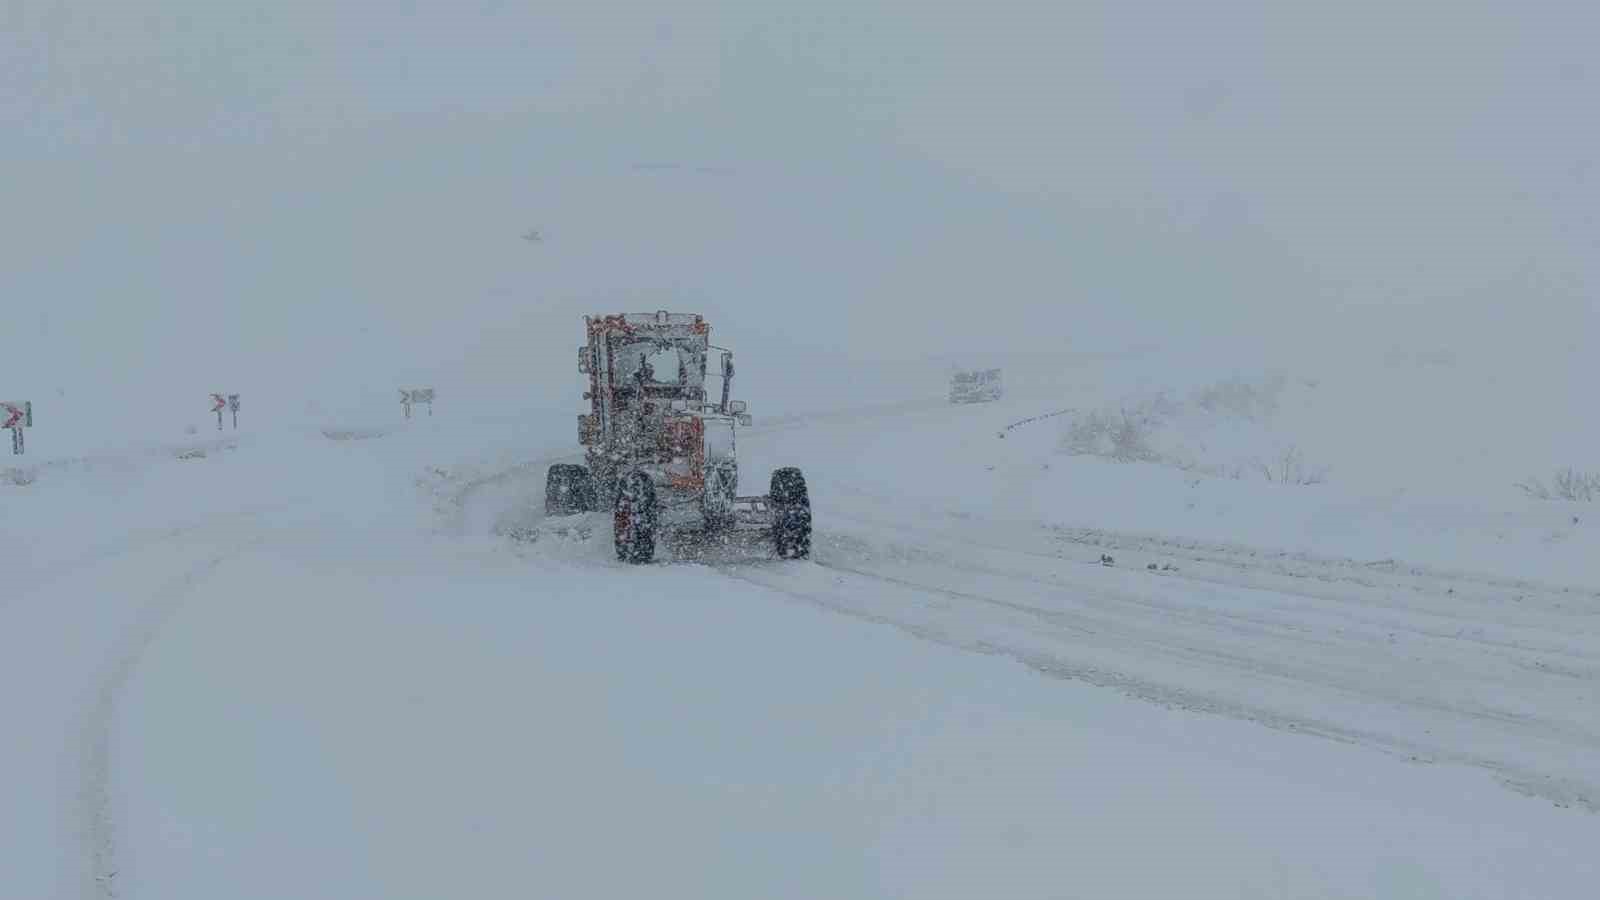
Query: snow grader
[[659, 448]]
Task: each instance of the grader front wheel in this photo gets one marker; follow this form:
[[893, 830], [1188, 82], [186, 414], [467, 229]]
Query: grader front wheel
[[791, 508], [634, 519]]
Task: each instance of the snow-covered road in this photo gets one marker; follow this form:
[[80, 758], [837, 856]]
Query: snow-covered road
[[1429, 663], [312, 664], [1321, 650]]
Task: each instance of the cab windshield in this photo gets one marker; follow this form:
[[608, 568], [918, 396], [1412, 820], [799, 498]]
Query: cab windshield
[[659, 364]]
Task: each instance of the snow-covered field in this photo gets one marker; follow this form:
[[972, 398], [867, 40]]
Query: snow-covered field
[[311, 662]]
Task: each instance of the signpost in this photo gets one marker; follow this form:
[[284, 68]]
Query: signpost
[[230, 402], [420, 395], [16, 416]]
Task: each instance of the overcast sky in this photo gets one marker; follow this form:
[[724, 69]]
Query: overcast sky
[[214, 191]]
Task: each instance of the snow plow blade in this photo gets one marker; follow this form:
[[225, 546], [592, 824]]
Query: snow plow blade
[[753, 511]]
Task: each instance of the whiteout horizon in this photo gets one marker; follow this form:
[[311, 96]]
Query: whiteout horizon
[[658, 452]]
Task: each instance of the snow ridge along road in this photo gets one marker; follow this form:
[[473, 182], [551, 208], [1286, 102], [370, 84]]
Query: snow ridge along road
[[1428, 663]]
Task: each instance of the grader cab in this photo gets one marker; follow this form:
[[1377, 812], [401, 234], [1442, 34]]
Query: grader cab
[[659, 445]]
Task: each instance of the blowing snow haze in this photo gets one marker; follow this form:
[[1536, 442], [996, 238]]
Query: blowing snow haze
[[1168, 470], [326, 199]]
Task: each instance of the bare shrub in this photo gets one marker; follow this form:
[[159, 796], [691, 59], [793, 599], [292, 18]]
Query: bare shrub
[[1133, 432], [1290, 467], [1123, 435], [1130, 438], [1157, 407], [1255, 400], [1087, 435], [1569, 484]]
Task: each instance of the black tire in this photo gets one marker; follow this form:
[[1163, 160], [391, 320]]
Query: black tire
[[585, 490], [633, 518], [791, 509], [569, 489]]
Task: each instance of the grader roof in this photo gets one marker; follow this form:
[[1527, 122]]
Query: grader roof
[[663, 322]]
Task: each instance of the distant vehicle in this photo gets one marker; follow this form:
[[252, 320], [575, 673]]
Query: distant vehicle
[[659, 449], [975, 386]]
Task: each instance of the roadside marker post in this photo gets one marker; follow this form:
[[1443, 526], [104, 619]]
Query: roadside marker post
[[16, 416], [412, 397]]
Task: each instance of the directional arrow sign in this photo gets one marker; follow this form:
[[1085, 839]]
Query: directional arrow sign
[[16, 416]]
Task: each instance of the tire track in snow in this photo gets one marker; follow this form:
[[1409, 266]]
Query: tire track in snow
[[453, 504], [98, 823], [1554, 621], [1386, 573], [1367, 573], [1362, 602], [1203, 622], [1478, 663], [844, 597], [133, 542], [1152, 692]]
